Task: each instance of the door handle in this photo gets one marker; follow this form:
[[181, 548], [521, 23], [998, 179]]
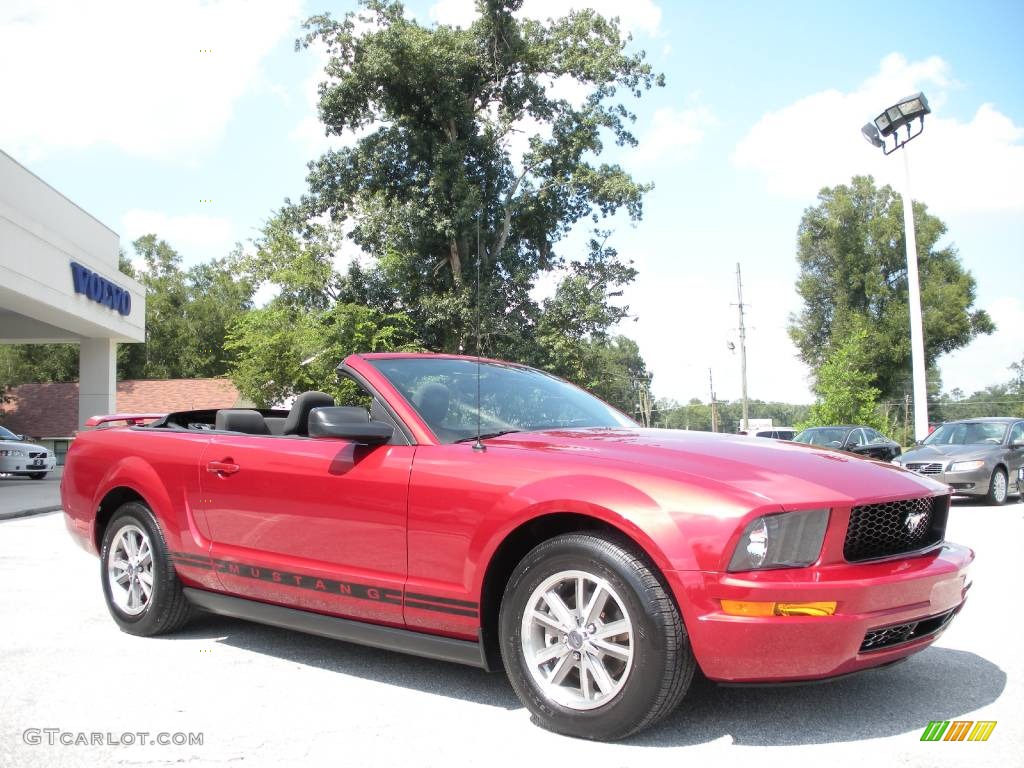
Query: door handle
[[222, 467]]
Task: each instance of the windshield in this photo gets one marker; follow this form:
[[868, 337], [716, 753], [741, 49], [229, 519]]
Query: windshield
[[6, 434], [828, 436], [512, 398], [967, 433]]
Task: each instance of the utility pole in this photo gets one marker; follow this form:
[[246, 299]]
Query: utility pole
[[714, 404], [743, 348], [644, 405]]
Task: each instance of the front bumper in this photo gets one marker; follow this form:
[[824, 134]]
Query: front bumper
[[924, 591], [973, 483], [23, 465]]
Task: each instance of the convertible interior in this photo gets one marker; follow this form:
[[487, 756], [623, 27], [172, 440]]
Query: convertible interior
[[274, 422]]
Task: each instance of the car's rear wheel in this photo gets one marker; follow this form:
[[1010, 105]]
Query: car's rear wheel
[[141, 587], [997, 488], [591, 639]]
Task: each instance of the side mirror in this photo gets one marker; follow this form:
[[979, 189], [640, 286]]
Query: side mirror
[[1017, 444], [347, 423]]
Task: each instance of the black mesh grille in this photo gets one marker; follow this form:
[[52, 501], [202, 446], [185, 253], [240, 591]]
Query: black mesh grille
[[895, 527], [877, 639], [37, 454]]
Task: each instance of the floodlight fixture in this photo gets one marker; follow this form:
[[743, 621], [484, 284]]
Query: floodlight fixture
[[908, 112]]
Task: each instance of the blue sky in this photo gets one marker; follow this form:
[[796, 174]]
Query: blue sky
[[118, 106]]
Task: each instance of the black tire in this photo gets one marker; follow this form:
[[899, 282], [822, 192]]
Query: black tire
[[37, 475], [167, 609], [662, 660], [991, 497]]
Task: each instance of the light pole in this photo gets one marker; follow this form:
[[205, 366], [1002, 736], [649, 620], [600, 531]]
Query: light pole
[[905, 114]]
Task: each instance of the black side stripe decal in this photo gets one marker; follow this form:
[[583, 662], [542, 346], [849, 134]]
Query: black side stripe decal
[[348, 589], [445, 600], [440, 608]]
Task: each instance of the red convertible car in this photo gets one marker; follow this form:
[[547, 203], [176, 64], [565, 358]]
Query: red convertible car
[[490, 514]]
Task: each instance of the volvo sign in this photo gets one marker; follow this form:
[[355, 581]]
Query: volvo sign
[[99, 289]]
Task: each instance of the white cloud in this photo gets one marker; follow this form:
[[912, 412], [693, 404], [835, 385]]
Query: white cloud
[[197, 237], [635, 16], [130, 75], [673, 134], [956, 166]]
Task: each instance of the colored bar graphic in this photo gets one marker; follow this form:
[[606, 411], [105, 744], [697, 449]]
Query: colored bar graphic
[[958, 730]]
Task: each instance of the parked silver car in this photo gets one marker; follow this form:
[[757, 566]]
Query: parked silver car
[[20, 458], [976, 457]]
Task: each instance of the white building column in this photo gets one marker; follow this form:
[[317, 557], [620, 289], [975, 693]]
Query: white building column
[[97, 378]]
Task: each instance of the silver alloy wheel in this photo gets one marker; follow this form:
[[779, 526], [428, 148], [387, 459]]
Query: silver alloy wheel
[[999, 486], [577, 640], [130, 570]]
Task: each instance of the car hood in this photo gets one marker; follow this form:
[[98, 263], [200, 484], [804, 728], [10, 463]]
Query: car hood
[[7, 444], [770, 471], [948, 452]]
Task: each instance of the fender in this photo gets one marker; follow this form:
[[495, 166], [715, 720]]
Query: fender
[[623, 507], [175, 520]]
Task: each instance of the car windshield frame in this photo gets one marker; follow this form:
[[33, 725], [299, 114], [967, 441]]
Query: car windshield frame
[[6, 434], [949, 430], [508, 392], [843, 431]]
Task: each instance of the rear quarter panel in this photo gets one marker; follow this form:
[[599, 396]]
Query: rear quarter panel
[[162, 467]]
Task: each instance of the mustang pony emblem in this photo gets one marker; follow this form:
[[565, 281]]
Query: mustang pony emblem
[[913, 521]]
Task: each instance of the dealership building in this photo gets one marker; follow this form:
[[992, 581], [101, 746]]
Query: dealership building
[[59, 282]]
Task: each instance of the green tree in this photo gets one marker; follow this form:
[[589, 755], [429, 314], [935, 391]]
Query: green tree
[[188, 312], [853, 275], [845, 386], [280, 351], [467, 144]]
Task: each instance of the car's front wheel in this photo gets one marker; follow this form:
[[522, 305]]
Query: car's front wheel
[[997, 487], [37, 475], [140, 585], [591, 639]]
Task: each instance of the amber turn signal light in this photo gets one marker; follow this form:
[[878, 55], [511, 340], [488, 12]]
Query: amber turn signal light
[[749, 608]]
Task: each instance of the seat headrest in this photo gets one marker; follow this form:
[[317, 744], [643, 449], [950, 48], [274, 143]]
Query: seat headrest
[[241, 420], [297, 422], [432, 401]]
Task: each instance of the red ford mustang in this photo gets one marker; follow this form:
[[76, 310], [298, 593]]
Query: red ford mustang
[[598, 562]]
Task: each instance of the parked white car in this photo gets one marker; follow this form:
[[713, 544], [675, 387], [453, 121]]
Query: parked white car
[[20, 458]]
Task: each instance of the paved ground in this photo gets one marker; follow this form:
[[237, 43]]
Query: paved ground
[[261, 696], [18, 493]]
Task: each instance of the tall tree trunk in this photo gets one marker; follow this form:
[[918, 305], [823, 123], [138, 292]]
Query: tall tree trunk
[[455, 262]]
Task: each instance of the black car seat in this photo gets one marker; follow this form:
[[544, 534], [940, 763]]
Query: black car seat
[[297, 422], [241, 420]]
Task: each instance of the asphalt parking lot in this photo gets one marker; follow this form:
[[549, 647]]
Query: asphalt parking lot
[[262, 696], [19, 493]]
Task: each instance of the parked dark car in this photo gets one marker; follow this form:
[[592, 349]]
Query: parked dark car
[[851, 437], [776, 433], [975, 457]]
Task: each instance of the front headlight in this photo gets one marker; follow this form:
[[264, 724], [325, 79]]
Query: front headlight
[[787, 540], [965, 466], [13, 452]]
